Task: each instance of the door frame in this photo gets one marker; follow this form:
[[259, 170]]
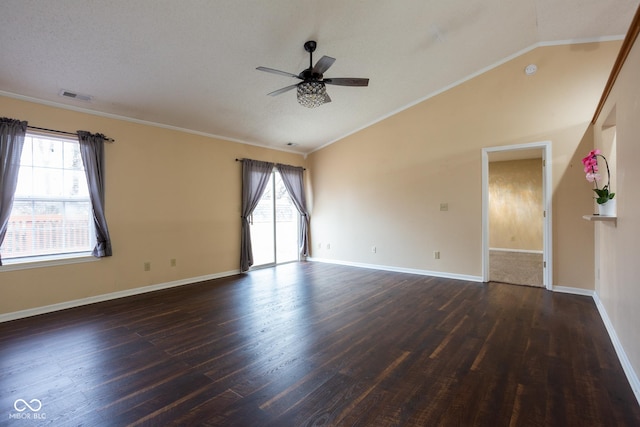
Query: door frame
[[545, 146]]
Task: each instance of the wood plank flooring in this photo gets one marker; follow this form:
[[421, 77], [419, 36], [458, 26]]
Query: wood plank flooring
[[311, 344]]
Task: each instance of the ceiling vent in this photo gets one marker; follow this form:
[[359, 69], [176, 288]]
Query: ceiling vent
[[74, 95]]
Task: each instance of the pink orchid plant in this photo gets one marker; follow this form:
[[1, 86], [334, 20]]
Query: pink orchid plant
[[591, 169]]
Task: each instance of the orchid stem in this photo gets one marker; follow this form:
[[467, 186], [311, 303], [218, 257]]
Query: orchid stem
[[608, 174]]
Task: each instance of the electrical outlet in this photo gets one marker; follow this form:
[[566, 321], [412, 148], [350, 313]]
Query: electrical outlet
[[173, 262], [436, 254], [147, 266], [328, 245], [374, 249]]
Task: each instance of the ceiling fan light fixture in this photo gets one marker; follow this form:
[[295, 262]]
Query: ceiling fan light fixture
[[311, 93]]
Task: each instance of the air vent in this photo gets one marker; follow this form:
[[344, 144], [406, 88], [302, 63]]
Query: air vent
[[74, 95], [291, 144]]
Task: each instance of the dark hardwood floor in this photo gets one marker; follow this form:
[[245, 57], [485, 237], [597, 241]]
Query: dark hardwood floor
[[310, 344]]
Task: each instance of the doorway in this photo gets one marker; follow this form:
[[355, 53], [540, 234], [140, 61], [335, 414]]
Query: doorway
[[516, 214], [274, 226]]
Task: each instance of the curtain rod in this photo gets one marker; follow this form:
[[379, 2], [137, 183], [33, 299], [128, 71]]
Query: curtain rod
[[64, 133], [242, 160]]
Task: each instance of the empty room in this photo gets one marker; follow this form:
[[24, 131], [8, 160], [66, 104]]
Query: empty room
[[305, 213]]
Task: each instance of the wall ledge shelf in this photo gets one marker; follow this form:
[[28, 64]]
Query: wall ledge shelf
[[613, 219]]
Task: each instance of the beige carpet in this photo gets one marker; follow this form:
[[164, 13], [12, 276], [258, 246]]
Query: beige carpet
[[518, 268]]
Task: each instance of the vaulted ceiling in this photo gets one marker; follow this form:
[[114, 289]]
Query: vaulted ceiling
[[191, 64]]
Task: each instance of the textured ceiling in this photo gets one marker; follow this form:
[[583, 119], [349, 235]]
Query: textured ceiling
[[190, 64]]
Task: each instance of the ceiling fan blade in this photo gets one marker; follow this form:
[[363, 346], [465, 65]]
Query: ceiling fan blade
[[323, 65], [347, 81], [282, 73], [283, 90]]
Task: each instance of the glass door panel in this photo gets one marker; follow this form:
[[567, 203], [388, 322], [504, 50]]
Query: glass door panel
[[262, 229], [274, 227], [286, 224]]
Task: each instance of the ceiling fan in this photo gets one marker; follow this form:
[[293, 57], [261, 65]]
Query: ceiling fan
[[311, 91]]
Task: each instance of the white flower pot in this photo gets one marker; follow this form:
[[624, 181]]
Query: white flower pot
[[608, 209]]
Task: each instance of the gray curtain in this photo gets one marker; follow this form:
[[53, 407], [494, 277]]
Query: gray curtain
[[92, 152], [293, 182], [255, 177], [11, 142]]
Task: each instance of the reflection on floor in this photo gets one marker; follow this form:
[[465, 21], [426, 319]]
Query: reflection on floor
[[518, 268]]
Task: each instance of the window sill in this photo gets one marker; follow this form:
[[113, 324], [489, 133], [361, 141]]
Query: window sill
[[46, 261]]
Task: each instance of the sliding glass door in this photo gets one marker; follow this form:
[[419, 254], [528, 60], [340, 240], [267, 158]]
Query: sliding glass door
[[274, 226]]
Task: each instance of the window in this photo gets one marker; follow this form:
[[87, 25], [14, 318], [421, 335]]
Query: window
[[51, 215]]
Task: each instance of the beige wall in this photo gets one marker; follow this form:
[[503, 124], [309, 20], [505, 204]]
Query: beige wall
[[618, 248], [176, 195], [383, 185], [516, 205], [169, 194]]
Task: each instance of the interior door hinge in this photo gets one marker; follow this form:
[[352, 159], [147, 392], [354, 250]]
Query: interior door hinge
[[544, 264], [544, 214]]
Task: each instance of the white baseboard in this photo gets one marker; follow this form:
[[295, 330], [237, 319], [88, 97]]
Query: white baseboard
[[574, 291], [632, 377], [400, 269], [520, 251], [114, 295]]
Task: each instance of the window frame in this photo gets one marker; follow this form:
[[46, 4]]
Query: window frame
[[52, 259]]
